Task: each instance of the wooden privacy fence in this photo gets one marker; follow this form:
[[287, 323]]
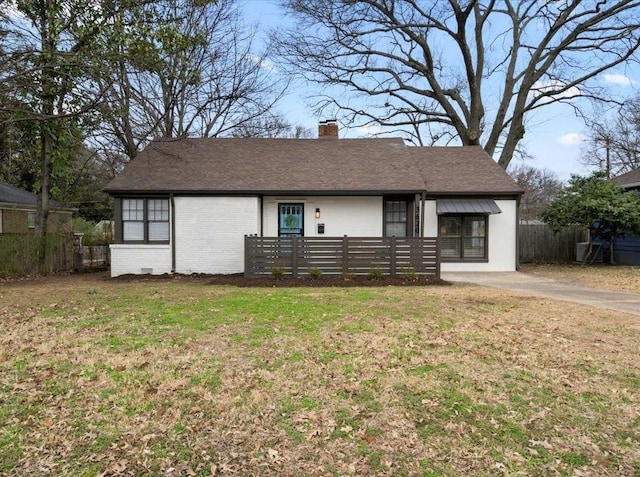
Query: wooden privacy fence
[[539, 244], [93, 256], [300, 256], [20, 254]]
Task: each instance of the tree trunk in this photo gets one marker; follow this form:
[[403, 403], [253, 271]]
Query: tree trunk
[[42, 216], [46, 159], [612, 258]]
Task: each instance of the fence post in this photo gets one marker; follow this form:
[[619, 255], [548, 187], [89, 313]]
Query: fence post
[[247, 260], [345, 256], [437, 257], [392, 265], [78, 258], [294, 256]]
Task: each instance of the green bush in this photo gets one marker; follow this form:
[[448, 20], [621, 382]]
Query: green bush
[[91, 233], [409, 274], [375, 274], [278, 273]]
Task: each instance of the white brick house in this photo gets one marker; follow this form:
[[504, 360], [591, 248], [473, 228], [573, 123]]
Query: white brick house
[[184, 206]]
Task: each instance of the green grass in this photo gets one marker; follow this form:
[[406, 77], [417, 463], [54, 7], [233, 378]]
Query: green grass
[[141, 378]]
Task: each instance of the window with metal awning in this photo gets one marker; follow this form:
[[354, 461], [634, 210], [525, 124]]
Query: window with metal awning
[[467, 206], [463, 228]]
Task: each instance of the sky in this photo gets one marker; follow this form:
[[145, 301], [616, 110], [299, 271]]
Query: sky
[[555, 137]]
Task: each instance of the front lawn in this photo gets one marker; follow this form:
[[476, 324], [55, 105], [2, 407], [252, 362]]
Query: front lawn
[[181, 377], [604, 276]]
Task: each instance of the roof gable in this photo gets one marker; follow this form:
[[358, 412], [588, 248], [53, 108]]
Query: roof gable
[[348, 166]]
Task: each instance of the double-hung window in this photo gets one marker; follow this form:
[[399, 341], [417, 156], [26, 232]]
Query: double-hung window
[[158, 220], [145, 220], [463, 237], [395, 218]]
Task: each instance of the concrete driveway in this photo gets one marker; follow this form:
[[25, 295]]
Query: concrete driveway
[[546, 287]]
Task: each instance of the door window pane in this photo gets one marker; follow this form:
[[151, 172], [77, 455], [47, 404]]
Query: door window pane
[[290, 220]]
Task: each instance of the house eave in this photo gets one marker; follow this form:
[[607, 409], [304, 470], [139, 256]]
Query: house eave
[[630, 185], [260, 193], [497, 194], [30, 207]]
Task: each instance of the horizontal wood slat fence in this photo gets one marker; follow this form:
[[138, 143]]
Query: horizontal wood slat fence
[[304, 256]]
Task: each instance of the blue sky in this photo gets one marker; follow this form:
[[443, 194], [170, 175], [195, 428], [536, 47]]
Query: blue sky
[[554, 135]]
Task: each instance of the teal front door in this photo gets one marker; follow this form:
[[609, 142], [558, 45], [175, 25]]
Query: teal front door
[[290, 220]]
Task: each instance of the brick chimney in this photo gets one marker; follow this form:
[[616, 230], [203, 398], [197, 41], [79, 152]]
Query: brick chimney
[[328, 129]]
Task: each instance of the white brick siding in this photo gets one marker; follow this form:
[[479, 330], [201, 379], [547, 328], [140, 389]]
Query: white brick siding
[[210, 232], [140, 259]]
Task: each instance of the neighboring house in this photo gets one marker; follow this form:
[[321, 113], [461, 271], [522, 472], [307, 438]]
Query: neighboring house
[[18, 209], [629, 180], [627, 247], [185, 206]]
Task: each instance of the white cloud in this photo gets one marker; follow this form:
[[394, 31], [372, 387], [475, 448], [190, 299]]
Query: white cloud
[[368, 130], [618, 79], [262, 62], [546, 87], [571, 139]]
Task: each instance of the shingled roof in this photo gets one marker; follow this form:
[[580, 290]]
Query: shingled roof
[[14, 196], [465, 170], [629, 179], [310, 166]]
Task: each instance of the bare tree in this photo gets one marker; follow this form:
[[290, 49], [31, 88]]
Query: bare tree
[[614, 143], [472, 69], [272, 127], [204, 79], [541, 187]]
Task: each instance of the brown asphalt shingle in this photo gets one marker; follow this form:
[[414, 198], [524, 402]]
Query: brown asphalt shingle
[[348, 166], [462, 170], [631, 178], [13, 195]]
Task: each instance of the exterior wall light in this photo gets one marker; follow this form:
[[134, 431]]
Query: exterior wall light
[[317, 212]]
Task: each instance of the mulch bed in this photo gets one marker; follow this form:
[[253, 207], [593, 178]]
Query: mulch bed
[[239, 280]]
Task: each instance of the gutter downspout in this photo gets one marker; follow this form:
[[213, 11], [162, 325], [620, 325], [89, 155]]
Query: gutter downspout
[[173, 233], [261, 198], [423, 199]]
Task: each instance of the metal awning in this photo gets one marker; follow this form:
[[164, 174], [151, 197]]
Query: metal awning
[[467, 206]]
